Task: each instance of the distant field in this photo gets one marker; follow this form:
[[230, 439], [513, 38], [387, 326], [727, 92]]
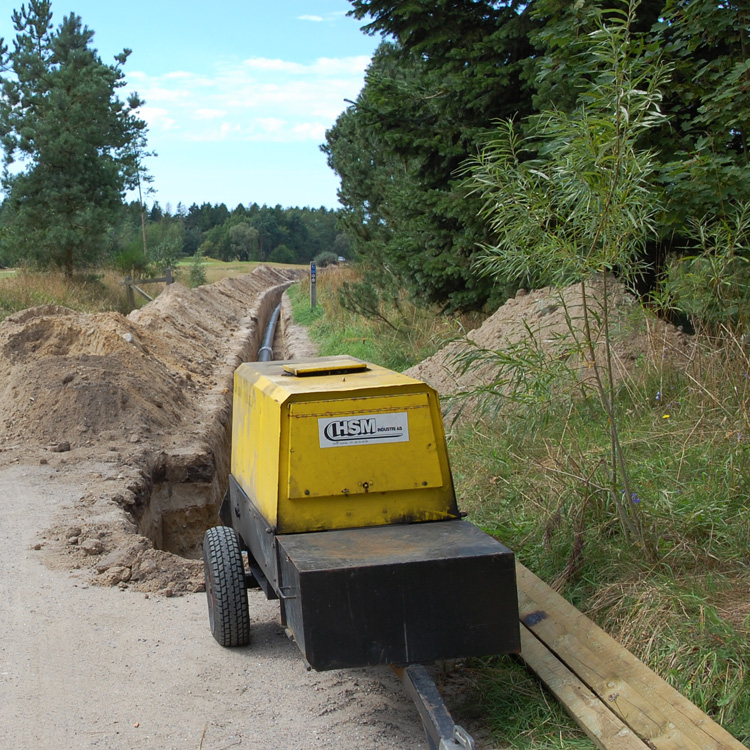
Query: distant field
[[218, 269]]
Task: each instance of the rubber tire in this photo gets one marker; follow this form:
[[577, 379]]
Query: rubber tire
[[228, 614]]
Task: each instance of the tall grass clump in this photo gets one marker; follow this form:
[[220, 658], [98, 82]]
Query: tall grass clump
[[396, 335], [94, 292], [686, 426]]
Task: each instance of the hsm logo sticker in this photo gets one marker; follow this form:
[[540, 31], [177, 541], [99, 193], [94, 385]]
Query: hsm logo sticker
[[363, 430]]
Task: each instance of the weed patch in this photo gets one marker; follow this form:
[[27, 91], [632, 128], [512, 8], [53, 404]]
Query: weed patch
[[85, 293], [410, 335]]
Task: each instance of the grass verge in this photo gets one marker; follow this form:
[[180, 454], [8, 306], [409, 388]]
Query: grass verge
[[536, 484], [532, 477], [415, 332]]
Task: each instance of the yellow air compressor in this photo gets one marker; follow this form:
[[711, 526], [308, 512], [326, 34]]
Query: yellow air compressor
[[342, 499]]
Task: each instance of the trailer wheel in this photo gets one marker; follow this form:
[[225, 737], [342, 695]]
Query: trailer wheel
[[228, 614]]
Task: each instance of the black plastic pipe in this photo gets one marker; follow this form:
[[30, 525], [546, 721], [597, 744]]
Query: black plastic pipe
[[265, 353]]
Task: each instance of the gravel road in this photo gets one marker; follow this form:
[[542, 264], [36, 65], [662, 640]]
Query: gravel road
[[86, 666]]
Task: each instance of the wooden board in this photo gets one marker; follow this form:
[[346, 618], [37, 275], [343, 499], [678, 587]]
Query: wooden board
[[602, 726], [647, 705]]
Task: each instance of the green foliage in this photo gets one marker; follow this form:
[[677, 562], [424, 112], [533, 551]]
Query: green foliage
[[165, 244], [197, 273], [282, 254], [428, 99], [713, 286], [244, 241], [585, 205], [130, 261], [79, 143], [582, 208], [259, 233], [362, 298], [704, 150], [446, 71], [326, 258]]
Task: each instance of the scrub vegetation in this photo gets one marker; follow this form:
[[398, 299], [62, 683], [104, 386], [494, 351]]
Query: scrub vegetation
[[528, 473]]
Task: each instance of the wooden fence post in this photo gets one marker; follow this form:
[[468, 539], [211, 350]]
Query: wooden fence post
[[131, 295]]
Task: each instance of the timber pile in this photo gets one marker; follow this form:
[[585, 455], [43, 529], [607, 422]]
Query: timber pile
[[615, 698]]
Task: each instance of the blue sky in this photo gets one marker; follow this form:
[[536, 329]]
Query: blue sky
[[239, 93]]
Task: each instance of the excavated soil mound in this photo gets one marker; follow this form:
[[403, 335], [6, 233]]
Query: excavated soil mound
[[71, 377], [548, 324], [147, 396]]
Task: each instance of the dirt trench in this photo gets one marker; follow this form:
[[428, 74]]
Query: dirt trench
[[149, 394], [114, 456]]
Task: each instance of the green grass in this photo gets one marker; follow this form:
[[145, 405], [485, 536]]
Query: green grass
[[512, 704], [537, 485], [535, 476], [417, 334], [219, 269]]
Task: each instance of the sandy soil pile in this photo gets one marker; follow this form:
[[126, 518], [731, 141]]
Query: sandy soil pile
[[544, 315], [148, 395], [76, 378]]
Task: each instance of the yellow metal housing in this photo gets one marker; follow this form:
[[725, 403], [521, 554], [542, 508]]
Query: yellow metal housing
[[336, 443]]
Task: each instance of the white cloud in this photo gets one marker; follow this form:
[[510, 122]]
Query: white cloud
[[317, 19], [209, 114], [266, 64], [157, 118], [321, 66], [256, 99], [271, 124], [178, 74], [310, 131]]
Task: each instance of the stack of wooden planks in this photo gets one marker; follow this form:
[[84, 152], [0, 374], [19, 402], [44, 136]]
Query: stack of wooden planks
[[617, 700]]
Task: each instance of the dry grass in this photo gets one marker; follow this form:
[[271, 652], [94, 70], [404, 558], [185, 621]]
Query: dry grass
[[84, 293], [94, 292]]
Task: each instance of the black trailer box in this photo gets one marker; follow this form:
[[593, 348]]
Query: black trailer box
[[402, 594]]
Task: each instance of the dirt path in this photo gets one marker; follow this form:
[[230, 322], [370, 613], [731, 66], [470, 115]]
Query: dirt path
[[113, 456], [86, 666]]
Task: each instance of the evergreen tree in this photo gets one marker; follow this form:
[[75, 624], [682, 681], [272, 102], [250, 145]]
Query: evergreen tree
[[79, 144], [431, 94]]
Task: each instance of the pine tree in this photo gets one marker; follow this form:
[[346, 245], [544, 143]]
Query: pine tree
[[78, 145]]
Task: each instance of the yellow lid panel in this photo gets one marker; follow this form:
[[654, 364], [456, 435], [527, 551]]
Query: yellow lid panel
[[353, 446], [325, 366]]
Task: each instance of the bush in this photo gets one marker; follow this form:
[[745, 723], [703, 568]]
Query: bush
[[326, 258]]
